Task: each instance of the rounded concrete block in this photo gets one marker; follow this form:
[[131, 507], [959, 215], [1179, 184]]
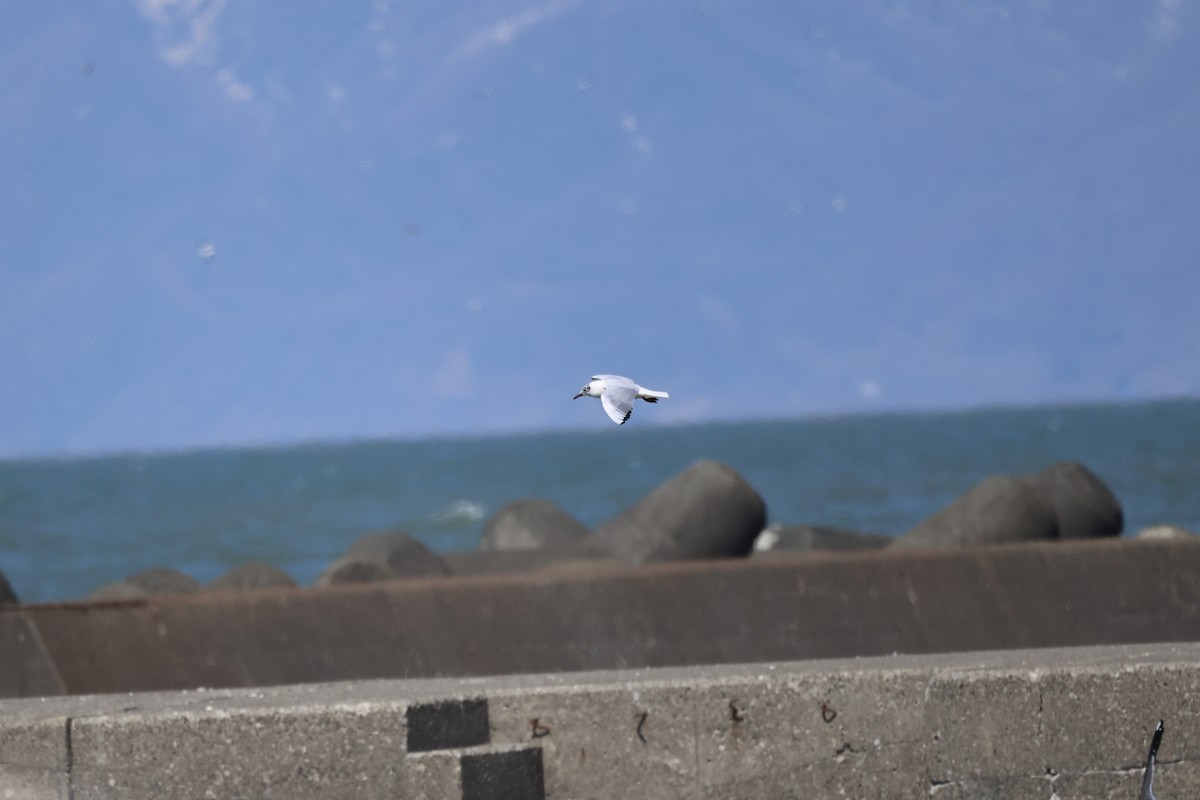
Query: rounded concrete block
[[1000, 509], [156, 581], [1083, 505], [118, 590], [164, 580], [159, 580], [252, 575], [530, 524], [382, 556], [345, 571], [706, 511]]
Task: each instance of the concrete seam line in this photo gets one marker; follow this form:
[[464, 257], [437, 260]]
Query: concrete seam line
[[68, 732]]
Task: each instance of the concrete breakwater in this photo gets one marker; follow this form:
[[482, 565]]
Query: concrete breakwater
[[1054, 723], [1021, 595]]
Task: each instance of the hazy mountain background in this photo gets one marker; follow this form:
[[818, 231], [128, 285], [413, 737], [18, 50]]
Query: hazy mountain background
[[235, 221]]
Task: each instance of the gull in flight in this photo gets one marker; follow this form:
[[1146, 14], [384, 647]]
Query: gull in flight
[[617, 395]]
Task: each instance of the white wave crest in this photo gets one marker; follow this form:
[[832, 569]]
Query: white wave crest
[[460, 511]]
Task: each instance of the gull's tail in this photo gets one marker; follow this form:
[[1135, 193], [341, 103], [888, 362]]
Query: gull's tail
[[651, 396]]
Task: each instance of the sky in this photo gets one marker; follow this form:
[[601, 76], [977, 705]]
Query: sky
[[229, 222]]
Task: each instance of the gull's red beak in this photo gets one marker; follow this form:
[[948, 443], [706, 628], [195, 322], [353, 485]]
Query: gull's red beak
[[576, 397]]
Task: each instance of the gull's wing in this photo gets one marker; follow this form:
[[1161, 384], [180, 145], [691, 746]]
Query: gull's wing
[[1148, 778], [618, 402], [615, 380]]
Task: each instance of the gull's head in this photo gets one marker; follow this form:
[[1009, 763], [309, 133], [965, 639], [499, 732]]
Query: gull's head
[[590, 389]]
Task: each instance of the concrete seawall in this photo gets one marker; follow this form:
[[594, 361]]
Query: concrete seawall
[[737, 611], [1053, 723]]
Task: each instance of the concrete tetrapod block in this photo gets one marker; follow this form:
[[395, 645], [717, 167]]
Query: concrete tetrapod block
[[1000, 509], [345, 572], [382, 556], [156, 581], [530, 524], [706, 511], [118, 590], [164, 580], [1062, 501], [1082, 504], [252, 575]]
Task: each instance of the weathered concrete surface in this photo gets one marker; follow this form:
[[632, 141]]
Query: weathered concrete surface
[[739, 611], [510, 562], [26, 668], [34, 760], [1055, 723]]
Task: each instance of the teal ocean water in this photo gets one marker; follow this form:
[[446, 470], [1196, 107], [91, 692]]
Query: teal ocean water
[[69, 525]]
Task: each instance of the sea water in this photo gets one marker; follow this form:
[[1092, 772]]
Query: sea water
[[68, 525]]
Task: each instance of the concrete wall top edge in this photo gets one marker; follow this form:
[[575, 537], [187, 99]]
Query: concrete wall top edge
[[373, 695], [607, 572]]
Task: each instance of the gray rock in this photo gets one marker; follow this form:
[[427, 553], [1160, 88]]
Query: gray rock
[[796, 538], [706, 511], [530, 524], [1000, 509], [7, 595], [394, 555], [252, 575], [1083, 505]]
